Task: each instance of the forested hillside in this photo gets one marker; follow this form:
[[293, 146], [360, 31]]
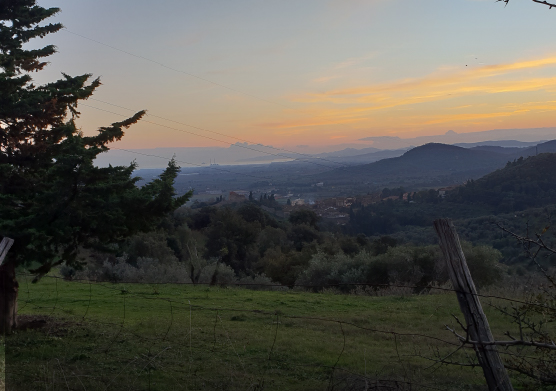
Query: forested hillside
[[521, 184], [523, 191], [433, 165]]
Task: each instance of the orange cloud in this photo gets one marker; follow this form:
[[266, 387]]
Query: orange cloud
[[442, 79], [469, 117], [474, 88]]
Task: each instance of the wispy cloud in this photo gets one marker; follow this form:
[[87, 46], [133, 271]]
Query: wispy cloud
[[309, 122], [474, 88], [354, 61], [442, 82], [340, 70]]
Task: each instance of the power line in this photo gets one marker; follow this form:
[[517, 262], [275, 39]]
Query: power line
[[192, 164], [178, 70], [200, 135], [208, 81], [343, 166], [225, 135]]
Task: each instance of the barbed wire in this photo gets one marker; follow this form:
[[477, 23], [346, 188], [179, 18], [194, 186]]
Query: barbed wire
[[121, 330], [417, 288], [164, 344]]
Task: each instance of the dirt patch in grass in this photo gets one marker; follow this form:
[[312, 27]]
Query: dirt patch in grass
[[32, 322], [48, 325]]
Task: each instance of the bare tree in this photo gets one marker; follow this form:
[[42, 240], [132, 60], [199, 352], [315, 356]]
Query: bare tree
[[536, 316], [530, 351]]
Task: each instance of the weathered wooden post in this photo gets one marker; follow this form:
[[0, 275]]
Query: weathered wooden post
[[8, 290], [477, 324], [5, 246]]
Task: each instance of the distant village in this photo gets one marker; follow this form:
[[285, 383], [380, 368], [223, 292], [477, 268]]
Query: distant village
[[336, 209]]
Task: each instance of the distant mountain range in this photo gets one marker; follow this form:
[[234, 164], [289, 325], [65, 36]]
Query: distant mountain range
[[512, 140], [501, 143], [433, 163], [511, 136]]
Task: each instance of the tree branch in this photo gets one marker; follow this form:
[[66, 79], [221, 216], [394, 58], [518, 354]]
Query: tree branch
[[526, 239], [550, 5], [551, 346]]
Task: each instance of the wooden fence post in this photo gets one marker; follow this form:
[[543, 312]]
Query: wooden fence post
[[5, 246], [477, 324], [8, 290]]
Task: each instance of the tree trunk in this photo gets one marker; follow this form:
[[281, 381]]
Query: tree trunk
[[8, 298]]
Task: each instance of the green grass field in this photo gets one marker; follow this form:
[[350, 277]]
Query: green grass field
[[81, 336]]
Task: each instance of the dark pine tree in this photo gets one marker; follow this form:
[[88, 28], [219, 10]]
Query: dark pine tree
[[54, 202]]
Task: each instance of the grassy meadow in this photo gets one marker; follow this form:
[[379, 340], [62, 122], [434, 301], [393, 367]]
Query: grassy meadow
[[81, 336]]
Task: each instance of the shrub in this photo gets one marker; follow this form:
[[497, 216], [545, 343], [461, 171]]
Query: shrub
[[412, 265], [285, 267], [484, 264], [418, 267], [325, 270], [150, 245], [217, 273], [146, 270]]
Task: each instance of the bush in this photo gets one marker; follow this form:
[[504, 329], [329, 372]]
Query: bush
[[285, 267], [414, 266], [335, 269], [218, 274], [408, 265], [146, 270], [484, 264], [150, 245]]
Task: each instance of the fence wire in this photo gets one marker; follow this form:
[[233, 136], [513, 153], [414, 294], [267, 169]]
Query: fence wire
[[86, 335]]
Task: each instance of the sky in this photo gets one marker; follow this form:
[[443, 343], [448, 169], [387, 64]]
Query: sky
[[298, 73]]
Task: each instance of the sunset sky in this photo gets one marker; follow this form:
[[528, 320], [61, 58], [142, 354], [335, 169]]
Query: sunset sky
[[304, 72]]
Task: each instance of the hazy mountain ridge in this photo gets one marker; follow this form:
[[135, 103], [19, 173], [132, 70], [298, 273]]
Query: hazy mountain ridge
[[435, 162], [509, 136], [242, 153], [431, 165], [500, 143]]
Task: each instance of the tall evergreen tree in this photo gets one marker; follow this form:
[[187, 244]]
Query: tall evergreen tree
[[53, 200]]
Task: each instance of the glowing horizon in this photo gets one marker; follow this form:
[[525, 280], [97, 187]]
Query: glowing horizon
[[314, 74]]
